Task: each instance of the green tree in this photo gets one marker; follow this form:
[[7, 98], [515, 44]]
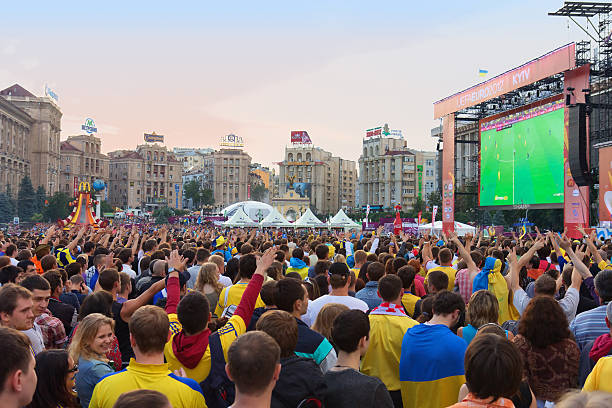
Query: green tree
[[58, 207], [7, 208], [258, 192], [105, 207], [161, 215], [191, 190], [207, 197], [26, 199], [433, 198], [41, 196]]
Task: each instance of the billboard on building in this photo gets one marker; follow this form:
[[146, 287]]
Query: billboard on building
[[300, 136], [605, 184], [302, 189]]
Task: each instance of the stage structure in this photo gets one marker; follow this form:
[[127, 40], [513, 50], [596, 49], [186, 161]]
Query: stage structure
[[83, 211]]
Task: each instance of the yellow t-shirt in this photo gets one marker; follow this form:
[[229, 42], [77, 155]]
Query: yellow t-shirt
[[234, 294], [227, 334], [409, 302], [600, 378], [383, 356], [449, 271]]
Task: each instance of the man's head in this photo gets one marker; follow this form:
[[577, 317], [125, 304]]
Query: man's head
[[41, 251], [248, 265], [545, 285], [160, 268], [17, 375], [268, 293], [322, 251], [189, 255], [149, 327], [193, 312], [109, 280], [291, 296], [125, 283], [88, 248], [339, 275], [99, 260], [448, 305], [41, 292], [375, 271], [603, 285], [149, 245], [254, 373], [406, 274], [55, 281], [436, 281], [446, 257], [28, 267], [297, 253], [351, 331], [9, 273], [11, 250], [126, 256], [16, 307], [48, 262], [360, 257], [202, 255], [390, 289], [73, 269], [142, 398], [282, 327]]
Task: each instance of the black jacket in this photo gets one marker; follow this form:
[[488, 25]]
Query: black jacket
[[300, 378]]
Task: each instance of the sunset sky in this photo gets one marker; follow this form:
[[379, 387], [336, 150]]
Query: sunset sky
[[197, 71]]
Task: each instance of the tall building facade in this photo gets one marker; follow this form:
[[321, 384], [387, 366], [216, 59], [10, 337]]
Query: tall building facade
[[146, 178], [328, 181], [231, 176], [15, 126], [467, 144], [426, 173], [44, 137], [82, 160], [387, 172]]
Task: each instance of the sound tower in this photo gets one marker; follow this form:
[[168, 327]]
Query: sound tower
[[577, 145]]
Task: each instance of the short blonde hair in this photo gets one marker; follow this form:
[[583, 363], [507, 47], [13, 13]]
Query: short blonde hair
[[85, 334], [325, 319], [482, 308]]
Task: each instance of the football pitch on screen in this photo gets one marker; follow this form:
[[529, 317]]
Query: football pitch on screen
[[523, 164]]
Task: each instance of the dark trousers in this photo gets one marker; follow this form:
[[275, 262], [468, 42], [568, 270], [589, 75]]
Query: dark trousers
[[396, 397]]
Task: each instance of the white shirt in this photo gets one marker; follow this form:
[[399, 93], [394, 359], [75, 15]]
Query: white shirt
[[14, 262], [316, 305], [225, 281], [36, 338], [129, 271], [569, 303]]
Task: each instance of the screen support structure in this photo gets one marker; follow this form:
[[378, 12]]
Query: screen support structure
[[448, 173]]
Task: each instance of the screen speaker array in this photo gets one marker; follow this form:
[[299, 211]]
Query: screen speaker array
[[577, 145]]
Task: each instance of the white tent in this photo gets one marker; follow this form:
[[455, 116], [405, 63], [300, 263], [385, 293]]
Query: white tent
[[240, 219], [341, 220], [275, 219], [308, 220], [460, 228]]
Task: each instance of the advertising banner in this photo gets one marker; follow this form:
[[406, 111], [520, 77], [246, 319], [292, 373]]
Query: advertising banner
[[302, 189], [576, 199], [374, 132], [300, 136], [152, 138], [605, 184], [448, 174], [559, 60], [75, 187]]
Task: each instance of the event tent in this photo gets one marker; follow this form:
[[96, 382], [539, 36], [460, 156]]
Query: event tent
[[308, 220], [341, 220], [240, 219], [460, 228], [275, 219]]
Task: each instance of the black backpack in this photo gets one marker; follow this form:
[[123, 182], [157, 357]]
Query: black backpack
[[218, 389]]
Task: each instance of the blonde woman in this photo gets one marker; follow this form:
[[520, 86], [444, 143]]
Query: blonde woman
[[92, 339], [325, 319], [482, 310], [208, 283]]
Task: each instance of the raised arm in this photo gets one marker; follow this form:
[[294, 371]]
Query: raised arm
[[576, 260], [463, 253]]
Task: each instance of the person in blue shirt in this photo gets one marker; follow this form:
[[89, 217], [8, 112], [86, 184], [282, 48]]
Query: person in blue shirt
[[220, 248], [369, 294]]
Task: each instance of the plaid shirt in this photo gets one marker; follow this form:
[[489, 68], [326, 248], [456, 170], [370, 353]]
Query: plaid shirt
[[464, 283], [52, 328]]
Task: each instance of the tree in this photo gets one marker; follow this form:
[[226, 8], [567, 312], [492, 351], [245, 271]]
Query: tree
[[191, 190], [26, 199], [105, 207], [41, 197], [7, 208], [207, 197], [161, 215], [432, 199], [258, 192], [419, 205], [58, 207]]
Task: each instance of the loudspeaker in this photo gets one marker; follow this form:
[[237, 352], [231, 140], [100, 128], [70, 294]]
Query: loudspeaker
[[577, 145]]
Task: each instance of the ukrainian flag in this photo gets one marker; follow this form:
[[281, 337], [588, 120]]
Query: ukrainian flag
[[218, 241], [482, 72], [431, 366]]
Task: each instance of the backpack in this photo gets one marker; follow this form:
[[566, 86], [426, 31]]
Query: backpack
[[218, 389]]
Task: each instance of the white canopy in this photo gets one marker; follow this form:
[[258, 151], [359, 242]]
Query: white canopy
[[240, 219], [342, 220], [460, 228], [275, 219], [308, 219]]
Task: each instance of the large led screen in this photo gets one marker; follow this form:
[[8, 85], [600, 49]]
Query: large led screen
[[521, 157]]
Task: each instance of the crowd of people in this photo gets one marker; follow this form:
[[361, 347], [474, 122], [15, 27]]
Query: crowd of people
[[205, 317]]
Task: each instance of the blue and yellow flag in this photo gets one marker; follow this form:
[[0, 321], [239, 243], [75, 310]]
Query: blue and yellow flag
[[482, 72], [431, 366]]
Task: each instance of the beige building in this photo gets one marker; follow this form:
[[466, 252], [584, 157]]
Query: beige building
[[328, 181], [231, 176], [43, 145], [387, 173], [291, 205], [82, 160], [15, 127], [192, 158], [147, 178]]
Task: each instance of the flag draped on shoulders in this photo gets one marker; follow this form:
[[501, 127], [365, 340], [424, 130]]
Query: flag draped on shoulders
[[431, 366], [491, 279]]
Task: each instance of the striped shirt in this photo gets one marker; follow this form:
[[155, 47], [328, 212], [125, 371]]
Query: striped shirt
[[589, 325]]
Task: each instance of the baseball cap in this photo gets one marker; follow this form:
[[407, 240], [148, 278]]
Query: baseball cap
[[339, 268]]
